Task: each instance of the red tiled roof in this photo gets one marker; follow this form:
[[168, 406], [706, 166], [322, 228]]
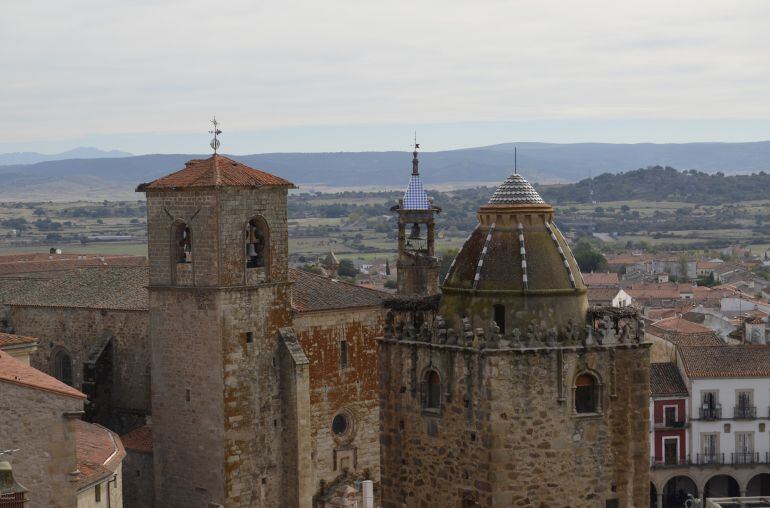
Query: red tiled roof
[[681, 325], [601, 279], [9, 339], [36, 262], [682, 332], [657, 314], [19, 373], [216, 171], [600, 294], [666, 380], [726, 361], [99, 452], [139, 439], [312, 292]]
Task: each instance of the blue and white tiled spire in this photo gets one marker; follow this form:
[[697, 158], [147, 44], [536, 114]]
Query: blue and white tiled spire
[[415, 197]]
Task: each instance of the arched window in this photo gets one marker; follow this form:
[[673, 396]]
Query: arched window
[[587, 394], [181, 246], [257, 242], [432, 400], [61, 366]]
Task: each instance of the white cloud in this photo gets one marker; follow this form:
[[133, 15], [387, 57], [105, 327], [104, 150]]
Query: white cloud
[[83, 67]]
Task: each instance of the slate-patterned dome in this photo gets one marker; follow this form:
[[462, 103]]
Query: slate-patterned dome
[[516, 257], [514, 191]]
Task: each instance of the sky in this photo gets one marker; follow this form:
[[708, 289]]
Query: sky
[[146, 76]]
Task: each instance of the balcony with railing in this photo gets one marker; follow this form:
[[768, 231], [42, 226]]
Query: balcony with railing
[[710, 412], [750, 458], [744, 412], [711, 459], [669, 423], [706, 459], [671, 461]]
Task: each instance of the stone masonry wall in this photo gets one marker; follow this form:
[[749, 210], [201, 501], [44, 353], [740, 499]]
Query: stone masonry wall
[[34, 423], [237, 207], [352, 390], [253, 421], [187, 396], [507, 434], [138, 479], [199, 210], [76, 330]]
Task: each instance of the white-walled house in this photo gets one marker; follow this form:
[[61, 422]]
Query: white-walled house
[[729, 409], [610, 296]]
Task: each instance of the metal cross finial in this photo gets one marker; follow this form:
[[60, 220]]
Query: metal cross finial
[[216, 132], [415, 162]]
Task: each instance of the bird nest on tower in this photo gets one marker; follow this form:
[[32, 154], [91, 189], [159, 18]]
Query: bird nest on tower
[[600, 311], [413, 303]]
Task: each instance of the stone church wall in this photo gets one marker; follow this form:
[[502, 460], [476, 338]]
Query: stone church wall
[[77, 330], [187, 394], [352, 391]]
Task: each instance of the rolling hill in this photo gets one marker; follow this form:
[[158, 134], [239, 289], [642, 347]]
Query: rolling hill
[[116, 178]]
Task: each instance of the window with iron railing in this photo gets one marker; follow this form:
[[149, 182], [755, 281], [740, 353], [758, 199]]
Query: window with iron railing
[[744, 409]]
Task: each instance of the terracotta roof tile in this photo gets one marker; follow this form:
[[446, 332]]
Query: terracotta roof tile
[[601, 279], [666, 380], [10, 340], [682, 332], [19, 373], [216, 171], [726, 361], [139, 439], [99, 452], [109, 287], [681, 325], [44, 263], [312, 292], [125, 288], [600, 294]]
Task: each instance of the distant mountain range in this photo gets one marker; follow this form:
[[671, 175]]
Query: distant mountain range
[[116, 177], [83, 152]]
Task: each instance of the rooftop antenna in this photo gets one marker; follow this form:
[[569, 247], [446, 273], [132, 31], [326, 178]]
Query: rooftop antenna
[[216, 132], [415, 162]]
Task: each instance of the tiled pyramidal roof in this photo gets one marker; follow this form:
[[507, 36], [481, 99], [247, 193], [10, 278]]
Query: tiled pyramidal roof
[[415, 197], [515, 191], [216, 171]]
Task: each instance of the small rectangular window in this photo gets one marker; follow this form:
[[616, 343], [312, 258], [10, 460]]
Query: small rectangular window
[[343, 354], [98, 493], [187, 395], [500, 317], [249, 337], [612, 503]]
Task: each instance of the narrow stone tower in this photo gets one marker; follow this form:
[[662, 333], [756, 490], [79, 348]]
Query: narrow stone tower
[[513, 392], [219, 292], [417, 267]]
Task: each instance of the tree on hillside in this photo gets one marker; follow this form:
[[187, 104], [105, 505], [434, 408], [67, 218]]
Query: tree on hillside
[[347, 268], [588, 258]]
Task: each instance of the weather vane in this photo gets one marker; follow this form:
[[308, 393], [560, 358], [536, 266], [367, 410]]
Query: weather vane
[[416, 144], [216, 132]]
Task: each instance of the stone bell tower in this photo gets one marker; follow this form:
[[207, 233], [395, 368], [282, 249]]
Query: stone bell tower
[[418, 267], [219, 292]]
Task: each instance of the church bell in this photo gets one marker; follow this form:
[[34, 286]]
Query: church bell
[[415, 234]]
